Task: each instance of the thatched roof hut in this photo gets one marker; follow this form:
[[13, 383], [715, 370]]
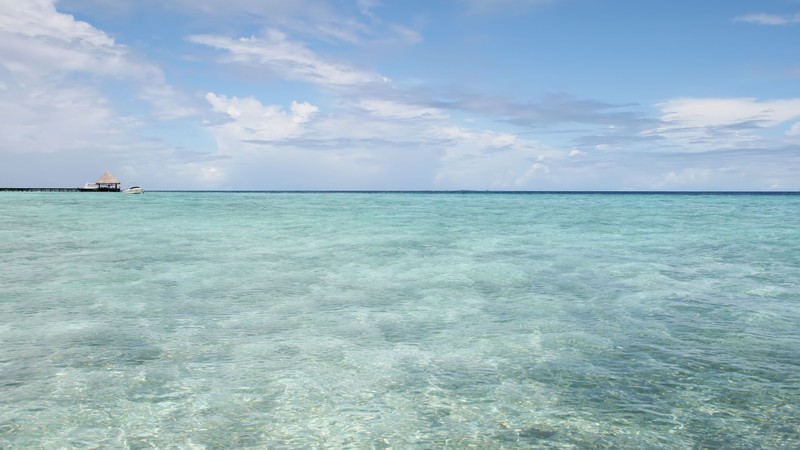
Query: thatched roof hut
[[108, 181]]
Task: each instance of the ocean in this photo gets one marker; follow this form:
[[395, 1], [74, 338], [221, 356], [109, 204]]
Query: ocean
[[399, 320]]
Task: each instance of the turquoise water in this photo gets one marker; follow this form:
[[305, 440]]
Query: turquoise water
[[300, 320]]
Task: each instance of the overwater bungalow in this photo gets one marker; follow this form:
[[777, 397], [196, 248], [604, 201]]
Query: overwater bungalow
[[106, 183]]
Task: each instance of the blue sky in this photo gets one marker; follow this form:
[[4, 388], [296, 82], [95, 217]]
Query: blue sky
[[380, 94]]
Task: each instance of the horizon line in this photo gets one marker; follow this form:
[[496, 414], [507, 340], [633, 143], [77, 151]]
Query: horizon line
[[471, 191]]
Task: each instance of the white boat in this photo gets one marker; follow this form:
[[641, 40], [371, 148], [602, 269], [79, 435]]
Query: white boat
[[89, 187], [133, 190]]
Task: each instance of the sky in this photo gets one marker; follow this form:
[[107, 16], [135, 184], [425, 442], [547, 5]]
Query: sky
[[627, 95]]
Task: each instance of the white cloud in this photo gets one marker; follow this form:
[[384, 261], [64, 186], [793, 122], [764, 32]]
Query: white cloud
[[37, 39], [769, 19], [39, 18], [729, 122], [37, 42], [302, 112], [287, 59], [702, 112], [794, 130], [49, 117], [252, 121]]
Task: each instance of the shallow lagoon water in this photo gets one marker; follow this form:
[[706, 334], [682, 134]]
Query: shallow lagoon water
[[329, 320]]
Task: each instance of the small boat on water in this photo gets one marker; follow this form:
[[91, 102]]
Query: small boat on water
[[133, 190]]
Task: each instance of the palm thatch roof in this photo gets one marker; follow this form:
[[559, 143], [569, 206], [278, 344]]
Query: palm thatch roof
[[107, 178]]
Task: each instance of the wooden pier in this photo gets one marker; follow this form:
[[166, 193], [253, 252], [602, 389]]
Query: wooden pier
[[106, 183], [53, 189]]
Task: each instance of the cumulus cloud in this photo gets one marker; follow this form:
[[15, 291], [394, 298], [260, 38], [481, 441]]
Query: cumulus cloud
[[37, 39], [39, 18], [40, 44], [252, 121]]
